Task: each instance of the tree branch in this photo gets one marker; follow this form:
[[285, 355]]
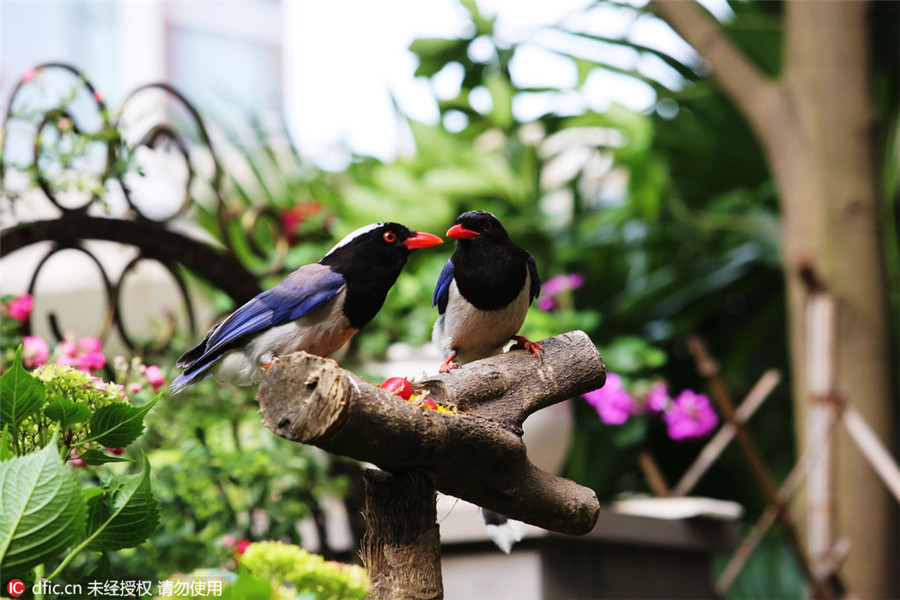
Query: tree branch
[[747, 86], [477, 455]]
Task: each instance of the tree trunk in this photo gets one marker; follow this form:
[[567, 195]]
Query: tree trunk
[[816, 124], [825, 166]]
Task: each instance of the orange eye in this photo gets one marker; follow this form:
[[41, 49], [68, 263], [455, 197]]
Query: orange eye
[[390, 237], [487, 226]]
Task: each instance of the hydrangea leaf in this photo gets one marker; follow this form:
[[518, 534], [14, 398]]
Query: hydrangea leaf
[[119, 424], [43, 511], [20, 394], [98, 457], [124, 516], [66, 412]]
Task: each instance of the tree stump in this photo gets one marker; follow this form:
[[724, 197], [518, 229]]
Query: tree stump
[[476, 454]]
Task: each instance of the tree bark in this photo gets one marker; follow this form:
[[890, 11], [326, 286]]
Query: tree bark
[[402, 555], [816, 124]]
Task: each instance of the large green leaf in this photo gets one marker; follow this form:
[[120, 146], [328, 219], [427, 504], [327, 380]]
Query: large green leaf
[[43, 511], [125, 516], [21, 394], [117, 425]]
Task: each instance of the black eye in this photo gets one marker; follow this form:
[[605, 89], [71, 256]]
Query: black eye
[[390, 237], [487, 226]]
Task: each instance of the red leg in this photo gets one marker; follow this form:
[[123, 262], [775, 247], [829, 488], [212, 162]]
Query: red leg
[[523, 343], [448, 364]]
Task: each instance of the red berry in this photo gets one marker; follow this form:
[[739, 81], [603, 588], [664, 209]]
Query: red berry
[[398, 386], [429, 403]]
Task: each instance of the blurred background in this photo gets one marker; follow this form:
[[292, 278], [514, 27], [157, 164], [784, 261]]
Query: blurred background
[[640, 170]]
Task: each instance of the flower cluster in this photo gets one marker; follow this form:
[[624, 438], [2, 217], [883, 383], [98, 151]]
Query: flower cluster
[[286, 565], [688, 415], [556, 291]]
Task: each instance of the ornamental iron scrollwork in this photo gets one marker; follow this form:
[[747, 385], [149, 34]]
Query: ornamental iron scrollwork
[[140, 179]]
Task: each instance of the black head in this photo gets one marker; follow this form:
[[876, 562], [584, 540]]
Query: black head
[[478, 226], [370, 259]]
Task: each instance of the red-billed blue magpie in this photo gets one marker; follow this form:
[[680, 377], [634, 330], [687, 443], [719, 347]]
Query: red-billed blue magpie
[[483, 292], [483, 295], [317, 308]]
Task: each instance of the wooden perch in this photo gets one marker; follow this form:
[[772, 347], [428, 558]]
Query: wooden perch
[[477, 455]]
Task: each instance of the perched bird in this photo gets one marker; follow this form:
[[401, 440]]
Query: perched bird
[[483, 295], [483, 292], [317, 308]]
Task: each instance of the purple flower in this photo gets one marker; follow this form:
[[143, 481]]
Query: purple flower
[[690, 416], [561, 283], [35, 351], [658, 399], [20, 308], [613, 404], [546, 303]]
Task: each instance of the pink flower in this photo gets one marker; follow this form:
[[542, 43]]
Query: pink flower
[[546, 303], [134, 387], [561, 283], [612, 402], [20, 308], [67, 348], [76, 462], [154, 377], [91, 361], [229, 541], [90, 344], [658, 398], [35, 351], [29, 74], [117, 451], [242, 546], [690, 416]]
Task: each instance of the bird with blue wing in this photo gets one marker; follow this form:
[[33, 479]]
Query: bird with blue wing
[[317, 308], [483, 292], [482, 295]]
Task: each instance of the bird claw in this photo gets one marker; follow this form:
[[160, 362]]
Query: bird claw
[[523, 343], [448, 365]]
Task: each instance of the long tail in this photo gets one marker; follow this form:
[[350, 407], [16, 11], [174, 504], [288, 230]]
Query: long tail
[[502, 530], [194, 371]]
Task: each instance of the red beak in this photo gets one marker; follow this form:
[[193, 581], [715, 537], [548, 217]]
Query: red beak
[[458, 232], [422, 240]]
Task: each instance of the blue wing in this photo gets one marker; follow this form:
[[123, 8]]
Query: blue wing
[[442, 289], [298, 294], [535, 278]]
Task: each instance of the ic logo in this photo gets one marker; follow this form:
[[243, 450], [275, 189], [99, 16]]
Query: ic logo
[[15, 588]]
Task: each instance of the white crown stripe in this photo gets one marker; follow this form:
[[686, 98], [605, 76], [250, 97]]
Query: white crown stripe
[[353, 235]]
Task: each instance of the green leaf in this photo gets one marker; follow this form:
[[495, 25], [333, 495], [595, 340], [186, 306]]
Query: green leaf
[[117, 425], [66, 412], [6, 451], [98, 457], [21, 394], [43, 511], [502, 94], [248, 587], [126, 515]]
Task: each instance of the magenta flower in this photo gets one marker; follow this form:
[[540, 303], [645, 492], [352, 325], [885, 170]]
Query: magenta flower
[[90, 361], [20, 308], [658, 399], [90, 344], [75, 461], [546, 303], [35, 351], [690, 416], [154, 377], [612, 402], [561, 283]]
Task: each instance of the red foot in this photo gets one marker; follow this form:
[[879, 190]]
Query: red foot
[[523, 343], [448, 365], [267, 365]]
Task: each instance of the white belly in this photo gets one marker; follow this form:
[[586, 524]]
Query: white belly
[[321, 332], [473, 334]]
